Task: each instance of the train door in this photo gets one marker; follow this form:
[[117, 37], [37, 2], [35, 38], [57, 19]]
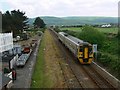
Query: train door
[[83, 54]]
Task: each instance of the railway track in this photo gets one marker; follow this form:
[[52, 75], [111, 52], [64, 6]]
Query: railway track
[[84, 75], [70, 80], [100, 81]]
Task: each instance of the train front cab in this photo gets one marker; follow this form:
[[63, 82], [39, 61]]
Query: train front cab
[[85, 54]]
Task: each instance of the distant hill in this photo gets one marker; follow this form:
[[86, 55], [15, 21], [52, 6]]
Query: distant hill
[[75, 20]]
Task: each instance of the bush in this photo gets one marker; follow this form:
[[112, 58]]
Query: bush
[[105, 59], [73, 33], [110, 61], [91, 35], [57, 29], [42, 29], [111, 46]]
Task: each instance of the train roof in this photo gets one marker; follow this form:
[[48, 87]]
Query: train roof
[[74, 39]]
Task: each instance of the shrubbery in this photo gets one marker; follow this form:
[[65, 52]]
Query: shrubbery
[[70, 32], [42, 29], [111, 61], [104, 58], [111, 46], [57, 29], [91, 35]]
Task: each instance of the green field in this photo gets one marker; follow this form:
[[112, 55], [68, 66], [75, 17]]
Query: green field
[[104, 30], [72, 29], [108, 30]]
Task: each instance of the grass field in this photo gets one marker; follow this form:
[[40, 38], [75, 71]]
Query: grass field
[[108, 30], [104, 30], [72, 29]]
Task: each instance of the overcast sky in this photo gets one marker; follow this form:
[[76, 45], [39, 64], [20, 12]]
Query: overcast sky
[[61, 8]]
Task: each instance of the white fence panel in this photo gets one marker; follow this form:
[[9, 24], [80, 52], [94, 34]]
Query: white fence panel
[[13, 61]]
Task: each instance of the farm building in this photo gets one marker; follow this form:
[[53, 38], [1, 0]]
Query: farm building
[[106, 26], [6, 41], [6, 44], [7, 59]]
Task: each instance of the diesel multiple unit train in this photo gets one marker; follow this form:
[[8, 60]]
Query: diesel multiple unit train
[[82, 50]]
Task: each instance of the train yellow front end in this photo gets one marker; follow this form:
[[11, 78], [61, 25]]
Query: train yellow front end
[[85, 53]]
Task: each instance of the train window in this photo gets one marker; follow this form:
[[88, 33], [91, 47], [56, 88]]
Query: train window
[[66, 34], [90, 49], [81, 49]]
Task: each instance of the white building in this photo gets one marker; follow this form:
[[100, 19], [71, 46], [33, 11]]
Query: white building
[[6, 44], [6, 41], [106, 25]]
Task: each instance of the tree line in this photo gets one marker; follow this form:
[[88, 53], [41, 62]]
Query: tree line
[[16, 21]]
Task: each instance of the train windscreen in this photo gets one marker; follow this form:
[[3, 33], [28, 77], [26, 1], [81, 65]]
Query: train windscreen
[[90, 49]]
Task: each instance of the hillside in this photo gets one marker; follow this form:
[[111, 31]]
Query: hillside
[[75, 20]]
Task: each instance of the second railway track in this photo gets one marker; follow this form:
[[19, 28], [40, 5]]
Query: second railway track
[[84, 75], [100, 81]]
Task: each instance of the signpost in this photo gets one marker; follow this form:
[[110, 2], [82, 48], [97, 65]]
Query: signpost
[[95, 50]]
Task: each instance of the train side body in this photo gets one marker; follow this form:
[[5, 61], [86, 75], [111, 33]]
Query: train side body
[[68, 42]]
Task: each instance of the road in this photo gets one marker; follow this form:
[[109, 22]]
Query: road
[[24, 74]]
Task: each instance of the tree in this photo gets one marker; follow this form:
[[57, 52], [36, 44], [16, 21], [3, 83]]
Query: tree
[[6, 22], [14, 21], [39, 23], [92, 36]]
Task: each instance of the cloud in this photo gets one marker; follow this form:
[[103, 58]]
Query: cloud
[[35, 8]]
